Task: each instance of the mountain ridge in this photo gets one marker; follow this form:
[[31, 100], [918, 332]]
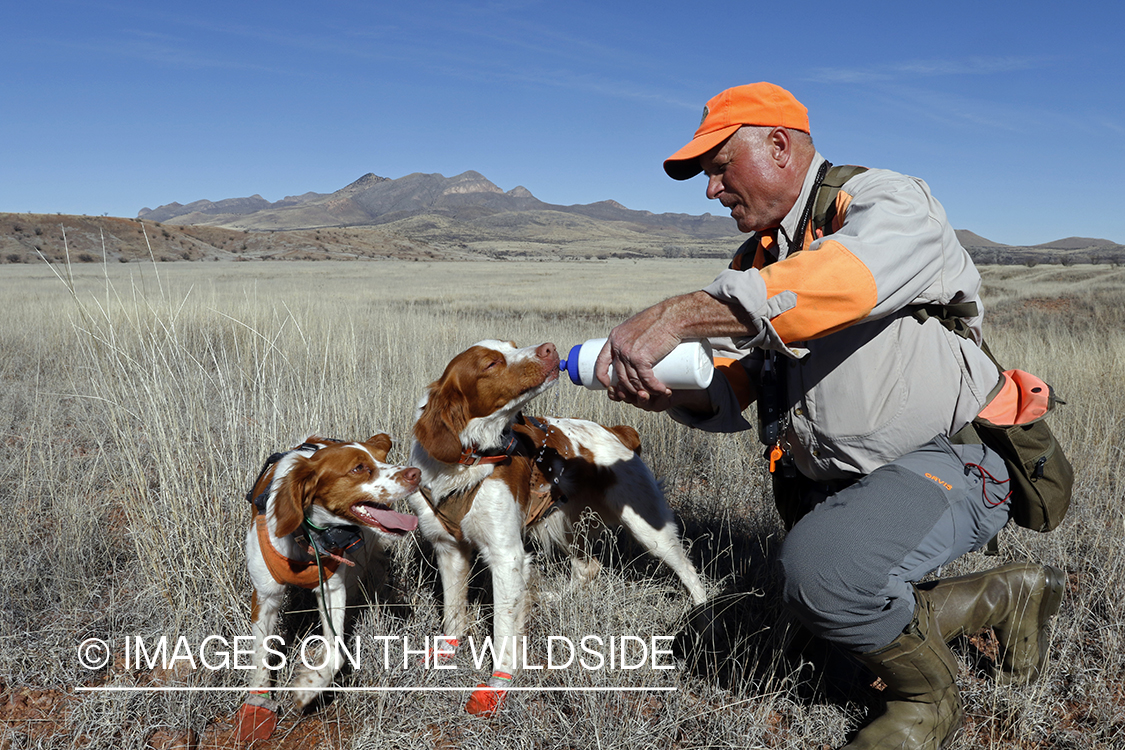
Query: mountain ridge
[[424, 217], [373, 200]]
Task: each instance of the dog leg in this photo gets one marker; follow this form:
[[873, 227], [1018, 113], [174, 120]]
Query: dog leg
[[454, 563], [583, 568], [509, 566], [257, 717], [584, 537], [319, 668], [264, 608], [664, 544]]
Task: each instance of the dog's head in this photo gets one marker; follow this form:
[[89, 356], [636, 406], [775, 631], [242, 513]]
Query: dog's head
[[346, 484], [478, 396]]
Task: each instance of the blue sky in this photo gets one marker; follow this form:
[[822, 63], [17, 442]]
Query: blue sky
[[1014, 113]]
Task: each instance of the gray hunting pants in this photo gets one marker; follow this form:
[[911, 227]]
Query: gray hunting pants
[[848, 564]]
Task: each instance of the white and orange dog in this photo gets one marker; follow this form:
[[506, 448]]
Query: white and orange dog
[[313, 505], [489, 474]]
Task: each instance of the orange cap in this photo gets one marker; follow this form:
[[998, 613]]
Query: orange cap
[[753, 104]]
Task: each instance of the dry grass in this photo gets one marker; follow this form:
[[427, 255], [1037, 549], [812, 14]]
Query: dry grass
[[137, 409]]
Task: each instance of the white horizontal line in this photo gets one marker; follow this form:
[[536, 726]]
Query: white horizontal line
[[116, 689]]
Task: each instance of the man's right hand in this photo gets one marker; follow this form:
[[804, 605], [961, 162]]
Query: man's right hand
[[633, 349]]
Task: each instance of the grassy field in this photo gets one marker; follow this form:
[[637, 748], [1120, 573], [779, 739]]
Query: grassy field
[[139, 401]]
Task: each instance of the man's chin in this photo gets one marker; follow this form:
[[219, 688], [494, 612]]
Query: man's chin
[[746, 226], [742, 224]]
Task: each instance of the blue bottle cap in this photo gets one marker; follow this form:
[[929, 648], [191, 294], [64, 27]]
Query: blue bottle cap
[[570, 364]]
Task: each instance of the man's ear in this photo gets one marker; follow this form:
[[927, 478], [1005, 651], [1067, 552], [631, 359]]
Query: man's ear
[[781, 146], [294, 496], [379, 445]]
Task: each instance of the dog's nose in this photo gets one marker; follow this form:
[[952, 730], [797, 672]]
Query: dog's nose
[[547, 351], [411, 475]]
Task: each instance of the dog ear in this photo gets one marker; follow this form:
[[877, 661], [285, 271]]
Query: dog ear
[[628, 437], [438, 430], [380, 446], [294, 495]]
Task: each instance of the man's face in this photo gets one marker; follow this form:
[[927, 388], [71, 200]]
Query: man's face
[[744, 175]]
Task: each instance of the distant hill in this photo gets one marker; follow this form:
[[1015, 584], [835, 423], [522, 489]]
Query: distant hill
[[1069, 251], [419, 217], [1078, 243], [970, 239], [465, 198], [423, 217]]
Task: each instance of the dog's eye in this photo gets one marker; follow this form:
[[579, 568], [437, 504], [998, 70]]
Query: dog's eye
[[491, 363], [361, 469]]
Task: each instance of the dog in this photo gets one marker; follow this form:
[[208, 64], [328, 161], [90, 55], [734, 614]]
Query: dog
[[312, 505], [489, 474]]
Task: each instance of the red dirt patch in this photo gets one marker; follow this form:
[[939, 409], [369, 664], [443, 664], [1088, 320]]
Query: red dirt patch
[[1048, 304]]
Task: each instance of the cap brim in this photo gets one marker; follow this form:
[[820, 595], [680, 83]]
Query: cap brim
[[684, 164]]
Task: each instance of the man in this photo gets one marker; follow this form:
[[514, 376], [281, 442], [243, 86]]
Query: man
[[858, 397]]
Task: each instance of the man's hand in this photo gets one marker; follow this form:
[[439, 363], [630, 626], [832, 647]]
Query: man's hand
[[697, 401], [633, 348]]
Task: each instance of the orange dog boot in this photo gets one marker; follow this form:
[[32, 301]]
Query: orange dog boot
[[489, 696], [443, 652], [257, 718]]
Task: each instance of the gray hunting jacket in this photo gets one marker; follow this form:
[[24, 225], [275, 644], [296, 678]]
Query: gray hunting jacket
[[866, 381]]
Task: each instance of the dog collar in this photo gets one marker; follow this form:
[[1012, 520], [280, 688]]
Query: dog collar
[[472, 457], [329, 540]]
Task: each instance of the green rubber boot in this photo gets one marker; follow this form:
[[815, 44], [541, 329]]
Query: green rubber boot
[[923, 706], [1017, 600]]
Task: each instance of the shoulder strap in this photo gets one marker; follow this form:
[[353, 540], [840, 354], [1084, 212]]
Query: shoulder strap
[[823, 212], [824, 208], [953, 317]]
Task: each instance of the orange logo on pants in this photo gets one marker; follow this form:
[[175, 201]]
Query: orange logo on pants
[[941, 482]]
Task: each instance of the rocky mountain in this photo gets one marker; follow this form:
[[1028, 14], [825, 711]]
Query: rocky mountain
[[417, 217], [229, 206], [372, 200], [423, 217]]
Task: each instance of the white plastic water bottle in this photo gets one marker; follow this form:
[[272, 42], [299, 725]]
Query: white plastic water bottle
[[688, 367]]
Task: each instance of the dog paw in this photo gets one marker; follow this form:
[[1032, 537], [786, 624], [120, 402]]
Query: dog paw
[[256, 719], [302, 699], [443, 651], [489, 696]]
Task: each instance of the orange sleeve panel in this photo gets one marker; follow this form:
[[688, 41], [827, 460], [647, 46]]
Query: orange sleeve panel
[[738, 378], [834, 290]]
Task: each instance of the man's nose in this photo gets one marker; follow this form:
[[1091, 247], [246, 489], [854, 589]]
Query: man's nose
[[714, 186]]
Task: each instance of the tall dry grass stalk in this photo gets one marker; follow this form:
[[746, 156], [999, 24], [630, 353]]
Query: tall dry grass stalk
[[137, 410]]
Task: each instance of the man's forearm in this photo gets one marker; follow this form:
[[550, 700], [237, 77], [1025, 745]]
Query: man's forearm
[[698, 315]]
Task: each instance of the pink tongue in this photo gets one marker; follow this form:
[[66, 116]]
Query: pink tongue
[[390, 520]]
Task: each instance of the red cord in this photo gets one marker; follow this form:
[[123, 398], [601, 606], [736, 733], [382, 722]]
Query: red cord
[[984, 487]]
